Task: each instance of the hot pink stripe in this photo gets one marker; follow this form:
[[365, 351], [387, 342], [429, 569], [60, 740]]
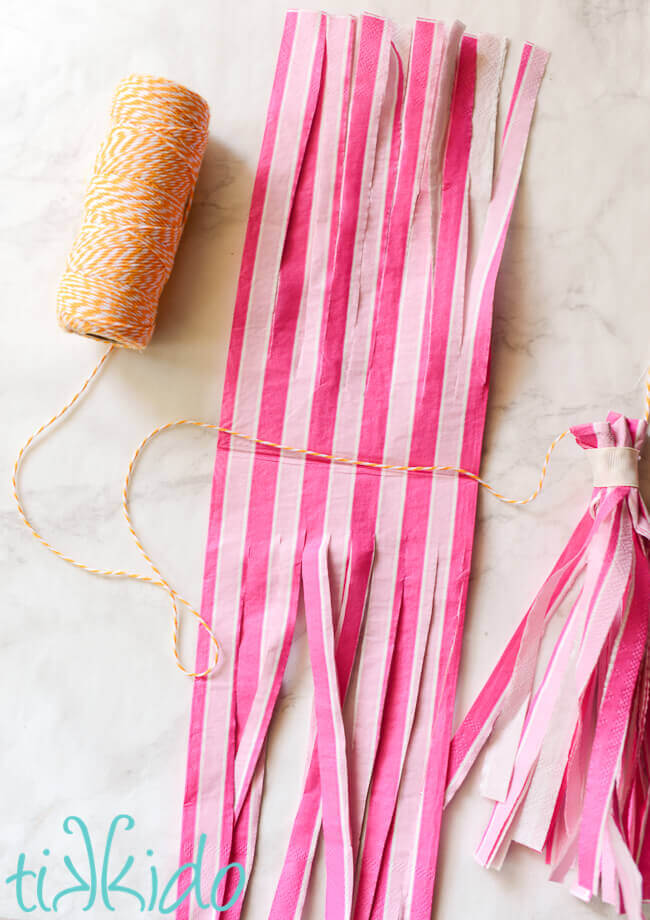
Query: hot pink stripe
[[612, 724], [330, 732]]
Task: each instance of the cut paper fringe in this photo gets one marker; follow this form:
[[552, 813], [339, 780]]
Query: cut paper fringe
[[361, 328], [568, 761]]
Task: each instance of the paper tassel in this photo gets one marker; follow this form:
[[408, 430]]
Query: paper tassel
[[568, 763]]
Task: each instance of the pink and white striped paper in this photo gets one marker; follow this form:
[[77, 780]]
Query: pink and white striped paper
[[361, 328], [568, 765]]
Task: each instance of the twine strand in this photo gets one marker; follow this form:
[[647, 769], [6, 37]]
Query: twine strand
[[158, 580]]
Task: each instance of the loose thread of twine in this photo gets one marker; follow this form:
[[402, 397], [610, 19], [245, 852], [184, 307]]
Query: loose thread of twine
[[135, 209], [158, 579]]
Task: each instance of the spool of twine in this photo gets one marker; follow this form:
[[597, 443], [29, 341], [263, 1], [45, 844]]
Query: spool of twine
[[135, 210], [136, 206]]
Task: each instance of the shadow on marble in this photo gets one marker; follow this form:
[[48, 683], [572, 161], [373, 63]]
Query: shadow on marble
[[196, 307]]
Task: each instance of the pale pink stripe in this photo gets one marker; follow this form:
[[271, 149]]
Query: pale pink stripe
[[330, 731], [600, 615], [481, 294], [497, 768], [496, 837], [287, 902], [628, 873], [523, 64], [490, 59], [243, 848], [475, 728]]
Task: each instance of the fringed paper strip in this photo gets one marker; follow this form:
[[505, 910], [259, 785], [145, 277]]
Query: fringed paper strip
[[568, 762], [361, 329]]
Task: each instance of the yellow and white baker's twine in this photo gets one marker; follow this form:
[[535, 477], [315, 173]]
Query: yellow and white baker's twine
[[135, 209], [158, 580]]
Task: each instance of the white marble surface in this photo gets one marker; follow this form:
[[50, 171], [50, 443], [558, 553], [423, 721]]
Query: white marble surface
[[93, 713]]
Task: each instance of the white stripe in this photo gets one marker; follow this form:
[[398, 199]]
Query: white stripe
[[334, 704]]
